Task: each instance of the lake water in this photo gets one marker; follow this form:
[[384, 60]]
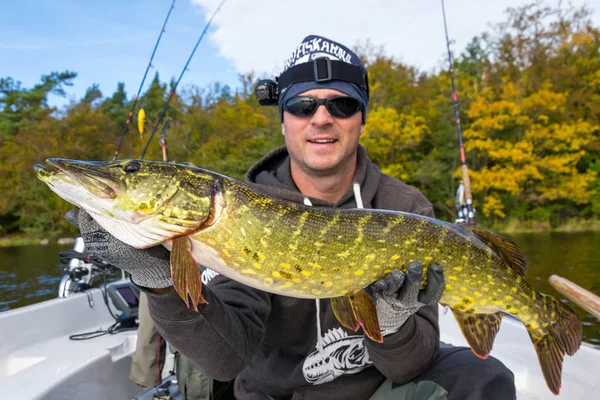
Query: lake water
[[30, 274]]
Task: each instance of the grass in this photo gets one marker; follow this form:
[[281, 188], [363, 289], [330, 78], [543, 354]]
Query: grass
[[514, 225], [21, 239], [18, 240]]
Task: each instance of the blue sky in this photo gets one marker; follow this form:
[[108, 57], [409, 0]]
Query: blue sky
[[110, 41], [106, 42]]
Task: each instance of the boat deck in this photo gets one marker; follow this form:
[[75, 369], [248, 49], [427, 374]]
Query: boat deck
[[38, 360]]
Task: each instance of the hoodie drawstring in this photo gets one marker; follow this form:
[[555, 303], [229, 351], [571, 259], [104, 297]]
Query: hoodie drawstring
[[307, 202], [359, 204], [357, 195]]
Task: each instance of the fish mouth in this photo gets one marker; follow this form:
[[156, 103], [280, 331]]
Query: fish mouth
[[95, 176]]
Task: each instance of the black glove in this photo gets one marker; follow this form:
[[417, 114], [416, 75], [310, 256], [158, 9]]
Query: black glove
[[399, 295], [149, 267]]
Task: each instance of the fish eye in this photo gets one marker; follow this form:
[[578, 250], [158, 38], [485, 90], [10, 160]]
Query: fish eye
[[132, 166]]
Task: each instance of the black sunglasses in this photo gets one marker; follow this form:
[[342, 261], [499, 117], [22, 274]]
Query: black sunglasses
[[338, 106]]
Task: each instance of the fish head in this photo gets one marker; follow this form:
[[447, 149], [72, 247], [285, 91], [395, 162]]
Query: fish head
[[155, 201]]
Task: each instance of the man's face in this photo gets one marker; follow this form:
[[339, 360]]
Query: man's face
[[321, 144]]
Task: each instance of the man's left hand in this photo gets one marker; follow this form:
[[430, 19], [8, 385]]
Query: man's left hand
[[399, 295]]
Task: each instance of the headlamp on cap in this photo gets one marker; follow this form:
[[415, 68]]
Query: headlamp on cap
[[319, 70]]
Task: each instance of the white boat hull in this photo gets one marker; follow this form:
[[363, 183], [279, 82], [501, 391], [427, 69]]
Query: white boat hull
[[39, 361], [514, 348]]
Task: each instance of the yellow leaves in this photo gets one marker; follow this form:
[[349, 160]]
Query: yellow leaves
[[575, 187], [387, 127], [529, 147], [510, 91], [594, 80], [561, 164], [489, 117], [397, 170], [492, 206], [544, 99], [389, 137], [516, 153], [562, 137], [504, 178]]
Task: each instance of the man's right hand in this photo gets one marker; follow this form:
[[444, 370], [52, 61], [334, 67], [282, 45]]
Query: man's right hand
[[399, 295], [149, 267]]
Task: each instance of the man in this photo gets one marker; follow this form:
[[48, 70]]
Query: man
[[277, 347]]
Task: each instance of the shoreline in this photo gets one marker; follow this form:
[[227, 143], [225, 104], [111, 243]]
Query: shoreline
[[515, 226], [509, 227]]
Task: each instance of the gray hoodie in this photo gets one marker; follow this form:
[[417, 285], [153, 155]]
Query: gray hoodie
[[288, 348]]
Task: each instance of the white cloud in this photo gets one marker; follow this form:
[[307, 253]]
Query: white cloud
[[259, 35]]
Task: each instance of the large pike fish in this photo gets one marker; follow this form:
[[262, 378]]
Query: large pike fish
[[312, 252]]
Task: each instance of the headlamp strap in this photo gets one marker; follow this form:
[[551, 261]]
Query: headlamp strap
[[323, 69]]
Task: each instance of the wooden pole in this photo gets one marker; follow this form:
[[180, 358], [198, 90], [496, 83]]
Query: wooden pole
[[578, 295]]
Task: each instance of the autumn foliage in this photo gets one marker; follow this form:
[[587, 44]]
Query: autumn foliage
[[529, 93]]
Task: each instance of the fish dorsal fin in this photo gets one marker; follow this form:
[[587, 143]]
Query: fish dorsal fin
[[506, 249], [358, 310], [479, 330]]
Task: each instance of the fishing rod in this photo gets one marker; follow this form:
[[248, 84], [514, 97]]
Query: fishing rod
[[129, 118], [464, 197], [164, 110]]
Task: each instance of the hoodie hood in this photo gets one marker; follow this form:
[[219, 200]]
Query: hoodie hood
[[272, 175]]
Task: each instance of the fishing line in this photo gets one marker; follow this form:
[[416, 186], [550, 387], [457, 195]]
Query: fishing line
[[129, 118], [470, 212], [164, 110]]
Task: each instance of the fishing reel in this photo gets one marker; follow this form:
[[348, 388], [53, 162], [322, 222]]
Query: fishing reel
[[81, 269], [465, 216]]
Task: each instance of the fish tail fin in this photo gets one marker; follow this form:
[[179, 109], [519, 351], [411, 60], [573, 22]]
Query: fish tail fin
[[358, 310], [187, 279], [563, 336]]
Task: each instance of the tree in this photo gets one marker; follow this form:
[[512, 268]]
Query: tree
[[92, 95], [23, 107]]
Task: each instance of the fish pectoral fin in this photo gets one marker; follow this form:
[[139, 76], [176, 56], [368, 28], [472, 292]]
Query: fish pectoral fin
[[185, 272], [479, 329], [512, 255], [358, 310], [342, 309]]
